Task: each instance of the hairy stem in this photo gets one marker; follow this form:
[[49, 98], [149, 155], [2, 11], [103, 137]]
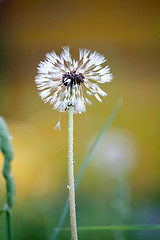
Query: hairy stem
[[71, 176]]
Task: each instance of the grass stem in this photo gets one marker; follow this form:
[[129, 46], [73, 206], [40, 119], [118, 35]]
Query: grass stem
[[9, 226]]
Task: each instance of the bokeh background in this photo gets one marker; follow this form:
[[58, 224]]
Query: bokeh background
[[121, 184]]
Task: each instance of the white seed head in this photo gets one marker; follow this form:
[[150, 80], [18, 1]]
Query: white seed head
[[61, 80]]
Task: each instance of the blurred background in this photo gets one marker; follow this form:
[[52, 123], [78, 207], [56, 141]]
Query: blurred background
[[121, 184]]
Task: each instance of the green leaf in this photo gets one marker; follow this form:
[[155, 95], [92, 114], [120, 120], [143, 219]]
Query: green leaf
[[85, 164]]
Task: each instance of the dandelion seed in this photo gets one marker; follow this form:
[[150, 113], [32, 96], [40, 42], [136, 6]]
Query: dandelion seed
[[58, 126], [61, 80]]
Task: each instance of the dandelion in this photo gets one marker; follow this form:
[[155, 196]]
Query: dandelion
[[63, 81]]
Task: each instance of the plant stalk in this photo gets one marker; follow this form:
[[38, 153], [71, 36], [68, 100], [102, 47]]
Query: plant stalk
[[9, 226], [71, 176], [7, 150]]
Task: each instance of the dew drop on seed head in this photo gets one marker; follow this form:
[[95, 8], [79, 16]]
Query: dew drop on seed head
[[68, 186]]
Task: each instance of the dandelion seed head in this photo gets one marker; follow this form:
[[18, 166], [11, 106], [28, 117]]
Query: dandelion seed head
[[63, 81]]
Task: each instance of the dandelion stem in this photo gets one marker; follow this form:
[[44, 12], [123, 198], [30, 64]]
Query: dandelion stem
[[71, 176]]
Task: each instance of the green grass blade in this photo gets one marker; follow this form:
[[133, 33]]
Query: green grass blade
[[61, 220], [122, 227], [85, 164], [96, 143]]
